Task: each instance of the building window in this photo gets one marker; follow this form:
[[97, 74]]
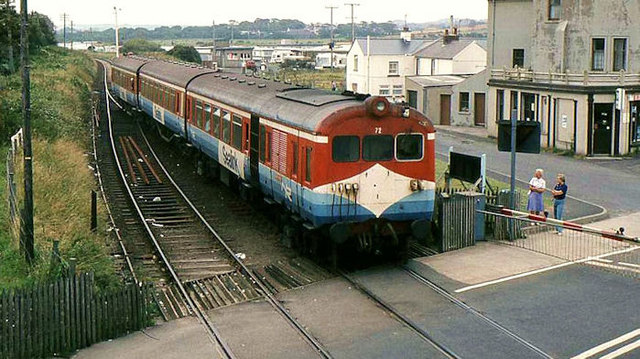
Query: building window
[[500, 105], [528, 107], [518, 58], [555, 9], [354, 87], [355, 63], [619, 54], [597, 54], [384, 90], [393, 67], [397, 90], [463, 105]]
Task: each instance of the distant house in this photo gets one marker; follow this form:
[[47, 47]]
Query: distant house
[[379, 66], [424, 73], [233, 57]]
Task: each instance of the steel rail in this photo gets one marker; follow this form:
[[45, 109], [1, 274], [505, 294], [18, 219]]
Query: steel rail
[[222, 347], [424, 335], [112, 222], [312, 341], [436, 288]]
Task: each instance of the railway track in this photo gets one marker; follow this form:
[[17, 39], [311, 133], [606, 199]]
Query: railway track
[[195, 268]]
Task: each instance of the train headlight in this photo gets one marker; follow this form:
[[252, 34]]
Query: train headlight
[[414, 185], [377, 106]]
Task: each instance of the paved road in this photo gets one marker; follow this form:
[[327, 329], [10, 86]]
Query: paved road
[[613, 184]]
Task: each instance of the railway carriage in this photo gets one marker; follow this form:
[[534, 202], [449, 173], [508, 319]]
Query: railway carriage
[[354, 167]]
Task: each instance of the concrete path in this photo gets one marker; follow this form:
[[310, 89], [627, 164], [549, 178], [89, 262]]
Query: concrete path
[[614, 184], [178, 339]]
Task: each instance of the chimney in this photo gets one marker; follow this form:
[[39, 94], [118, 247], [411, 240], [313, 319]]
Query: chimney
[[451, 33]]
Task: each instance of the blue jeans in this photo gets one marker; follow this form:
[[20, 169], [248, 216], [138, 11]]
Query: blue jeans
[[558, 211]]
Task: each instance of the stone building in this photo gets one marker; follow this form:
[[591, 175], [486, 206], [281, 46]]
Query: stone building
[[573, 66]]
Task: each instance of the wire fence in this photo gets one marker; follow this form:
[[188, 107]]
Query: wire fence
[[569, 244]]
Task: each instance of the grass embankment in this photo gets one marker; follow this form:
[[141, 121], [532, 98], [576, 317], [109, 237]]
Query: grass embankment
[[61, 116]]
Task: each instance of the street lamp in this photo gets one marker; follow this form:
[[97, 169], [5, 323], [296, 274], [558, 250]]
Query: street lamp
[[231, 23]]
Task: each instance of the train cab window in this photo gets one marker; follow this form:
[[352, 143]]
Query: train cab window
[[198, 115], [226, 126], [409, 147], [307, 162], [263, 141], [216, 122], [345, 149], [237, 132], [377, 148], [207, 118]]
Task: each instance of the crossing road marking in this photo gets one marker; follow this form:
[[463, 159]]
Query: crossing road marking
[[541, 270], [611, 343], [625, 349]]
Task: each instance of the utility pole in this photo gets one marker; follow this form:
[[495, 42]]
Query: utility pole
[[64, 16], [115, 11], [231, 23], [213, 47], [27, 220], [331, 44], [353, 24], [9, 36], [71, 35]]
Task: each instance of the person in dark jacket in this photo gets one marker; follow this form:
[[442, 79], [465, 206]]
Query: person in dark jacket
[[559, 197]]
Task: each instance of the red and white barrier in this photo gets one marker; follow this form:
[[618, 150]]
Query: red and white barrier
[[618, 236]]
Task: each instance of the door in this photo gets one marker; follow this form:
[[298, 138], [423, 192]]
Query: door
[[478, 109], [254, 146], [602, 128], [413, 99], [445, 109]]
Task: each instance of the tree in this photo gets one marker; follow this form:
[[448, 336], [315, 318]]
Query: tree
[[185, 53], [139, 46]]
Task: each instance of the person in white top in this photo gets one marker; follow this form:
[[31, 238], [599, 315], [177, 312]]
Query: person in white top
[[537, 186]]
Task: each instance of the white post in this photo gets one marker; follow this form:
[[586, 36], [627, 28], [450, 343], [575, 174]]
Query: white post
[[115, 10]]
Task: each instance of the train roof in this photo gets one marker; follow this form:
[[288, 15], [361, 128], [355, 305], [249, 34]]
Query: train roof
[[174, 73], [129, 63], [295, 106]]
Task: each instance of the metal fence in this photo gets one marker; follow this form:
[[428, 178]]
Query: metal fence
[[575, 245], [58, 317]]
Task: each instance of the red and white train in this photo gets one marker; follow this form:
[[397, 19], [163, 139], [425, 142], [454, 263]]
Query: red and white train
[[346, 165]]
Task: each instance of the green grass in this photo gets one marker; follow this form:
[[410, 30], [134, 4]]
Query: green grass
[[62, 180]]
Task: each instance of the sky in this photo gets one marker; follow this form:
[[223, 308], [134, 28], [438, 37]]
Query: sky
[[203, 12]]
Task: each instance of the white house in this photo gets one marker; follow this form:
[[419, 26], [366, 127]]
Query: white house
[[451, 56], [379, 66]]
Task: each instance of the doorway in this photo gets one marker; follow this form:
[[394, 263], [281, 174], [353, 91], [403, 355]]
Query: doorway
[[478, 109], [602, 128], [413, 98], [445, 109]]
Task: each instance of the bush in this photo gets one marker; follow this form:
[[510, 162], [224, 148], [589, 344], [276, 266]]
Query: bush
[[140, 46], [185, 53]]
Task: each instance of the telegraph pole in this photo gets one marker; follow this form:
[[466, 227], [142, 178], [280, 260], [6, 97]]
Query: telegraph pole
[[71, 35], [331, 44], [115, 11], [65, 16], [213, 47], [27, 220], [353, 24], [9, 35]]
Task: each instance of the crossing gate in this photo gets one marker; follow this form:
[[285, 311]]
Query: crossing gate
[[459, 224]]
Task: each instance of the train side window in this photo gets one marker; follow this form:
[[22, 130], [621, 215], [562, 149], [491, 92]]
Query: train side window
[[409, 147], [198, 116], [207, 118], [226, 126], [216, 122], [263, 141], [268, 149], [345, 149], [172, 105], [245, 143], [237, 132], [307, 169], [377, 148]]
